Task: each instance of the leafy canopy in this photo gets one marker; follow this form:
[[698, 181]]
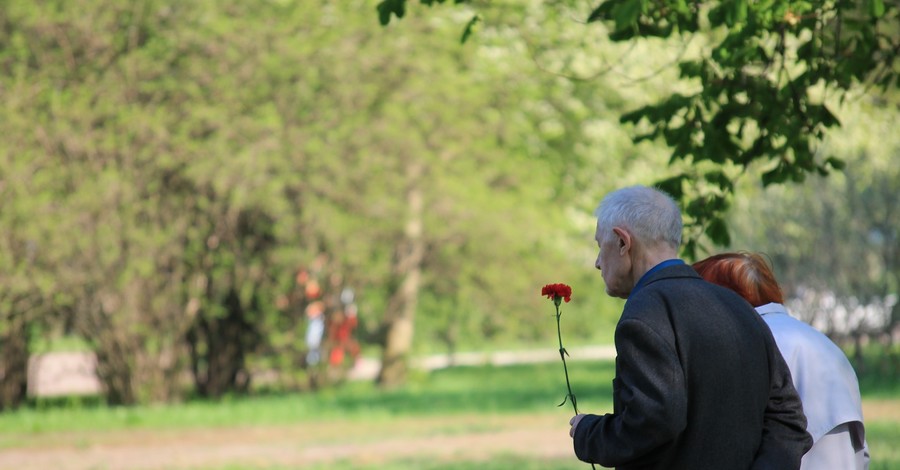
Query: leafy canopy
[[762, 87]]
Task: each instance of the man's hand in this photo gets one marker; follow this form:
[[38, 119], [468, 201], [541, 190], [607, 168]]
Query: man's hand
[[574, 422]]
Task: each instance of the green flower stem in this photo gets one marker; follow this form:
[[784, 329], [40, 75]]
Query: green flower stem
[[562, 355]]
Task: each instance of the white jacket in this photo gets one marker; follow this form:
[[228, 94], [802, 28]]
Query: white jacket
[[824, 379]]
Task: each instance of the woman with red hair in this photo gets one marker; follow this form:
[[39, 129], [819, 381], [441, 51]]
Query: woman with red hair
[[822, 375]]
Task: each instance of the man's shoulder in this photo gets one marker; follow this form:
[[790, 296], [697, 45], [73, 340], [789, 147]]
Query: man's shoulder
[[681, 291], [675, 282]]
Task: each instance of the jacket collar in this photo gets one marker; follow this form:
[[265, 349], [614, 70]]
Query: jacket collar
[[659, 271]]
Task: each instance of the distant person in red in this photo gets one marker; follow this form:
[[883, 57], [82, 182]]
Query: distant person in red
[[315, 316], [343, 325], [315, 326]]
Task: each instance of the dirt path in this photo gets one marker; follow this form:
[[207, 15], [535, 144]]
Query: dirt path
[[465, 437]]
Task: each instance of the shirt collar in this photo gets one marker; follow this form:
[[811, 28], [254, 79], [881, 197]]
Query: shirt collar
[[772, 307], [643, 279]]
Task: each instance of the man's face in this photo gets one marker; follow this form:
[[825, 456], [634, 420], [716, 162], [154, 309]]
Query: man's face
[[614, 264]]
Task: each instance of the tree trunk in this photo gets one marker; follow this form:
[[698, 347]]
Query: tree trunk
[[399, 320], [13, 362], [116, 373], [218, 349], [115, 345]]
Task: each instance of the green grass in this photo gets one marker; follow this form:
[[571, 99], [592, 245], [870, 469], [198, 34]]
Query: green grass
[[879, 371], [485, 390], [883, 438]]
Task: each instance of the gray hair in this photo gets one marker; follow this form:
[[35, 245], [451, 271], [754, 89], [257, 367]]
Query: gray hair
[[649, 213]]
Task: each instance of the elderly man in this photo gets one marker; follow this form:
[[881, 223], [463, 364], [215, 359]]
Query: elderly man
[[700, 383]]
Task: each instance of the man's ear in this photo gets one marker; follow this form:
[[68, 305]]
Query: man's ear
[[624, 239]]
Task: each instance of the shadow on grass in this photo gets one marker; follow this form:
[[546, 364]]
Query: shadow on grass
[[66, 402]]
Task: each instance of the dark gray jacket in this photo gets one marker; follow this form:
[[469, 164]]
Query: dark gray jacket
[[700, 384]]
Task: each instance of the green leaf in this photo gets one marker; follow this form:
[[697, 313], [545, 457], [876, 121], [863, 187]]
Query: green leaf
[[826, 117], [636, 115], [836, 163], [689, 249], [672, 185], [602, 12], [691, 68], [719, 179], [775, 175], [626, 14], [716, 15], [388, 7], [717, 231], [470, 27], [739, 12], [876, 8]]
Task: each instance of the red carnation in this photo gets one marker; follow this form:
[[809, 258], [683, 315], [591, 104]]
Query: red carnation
[[557, 291]]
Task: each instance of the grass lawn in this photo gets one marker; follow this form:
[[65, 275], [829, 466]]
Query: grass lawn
[[460, 418]]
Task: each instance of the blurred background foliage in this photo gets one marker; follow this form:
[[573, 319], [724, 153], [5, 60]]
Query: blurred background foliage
[[167, 169]]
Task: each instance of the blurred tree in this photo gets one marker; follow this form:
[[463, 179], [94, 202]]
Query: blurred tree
[[80, 211], [21, 303], [169, 167], [410, 194], [109, 108], [23, 282]]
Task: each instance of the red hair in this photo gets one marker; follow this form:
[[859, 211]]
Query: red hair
[[748, 274]]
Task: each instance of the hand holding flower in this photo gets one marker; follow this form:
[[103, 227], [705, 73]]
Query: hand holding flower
[[559, 293]]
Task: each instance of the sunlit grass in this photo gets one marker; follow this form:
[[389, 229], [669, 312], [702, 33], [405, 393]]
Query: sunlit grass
[[883, 438]]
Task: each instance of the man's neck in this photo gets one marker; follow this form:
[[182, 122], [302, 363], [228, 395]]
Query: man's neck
[[645, 260]]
